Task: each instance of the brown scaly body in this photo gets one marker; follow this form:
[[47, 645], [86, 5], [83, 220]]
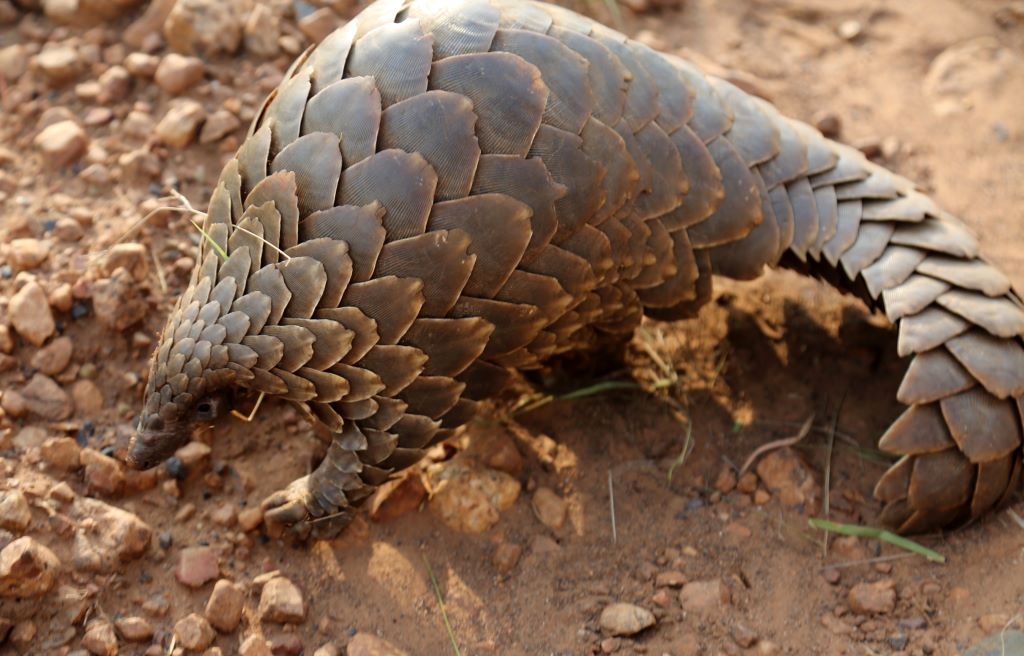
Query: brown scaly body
[[443, 192]]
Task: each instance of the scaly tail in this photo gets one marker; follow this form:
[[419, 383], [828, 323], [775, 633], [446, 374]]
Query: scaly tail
[[822, 208]]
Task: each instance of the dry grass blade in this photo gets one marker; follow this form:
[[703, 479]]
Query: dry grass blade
[[444, 611], [160, 278], [1002, 634], [252, 414], [325, 518], [611, 504], [135, 227], [265, 242], [805, 429], [684, 453], [877, 534], [1015, 517], [826, 498], [868, 561], [668, 373]]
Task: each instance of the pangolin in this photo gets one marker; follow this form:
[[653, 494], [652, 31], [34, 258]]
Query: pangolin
[[443, 192]]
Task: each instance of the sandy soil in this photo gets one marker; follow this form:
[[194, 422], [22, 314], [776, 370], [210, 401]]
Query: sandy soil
[[759, 361]]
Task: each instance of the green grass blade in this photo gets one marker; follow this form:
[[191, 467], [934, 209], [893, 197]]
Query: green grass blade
[[598, 388], [207, 237], [878, 534], [444, 611]]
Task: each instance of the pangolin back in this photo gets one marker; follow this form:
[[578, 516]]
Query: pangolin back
[[442, 192]]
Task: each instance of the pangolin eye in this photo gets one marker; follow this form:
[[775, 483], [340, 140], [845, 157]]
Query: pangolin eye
[[206, 411]]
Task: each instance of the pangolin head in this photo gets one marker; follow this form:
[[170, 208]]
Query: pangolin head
[[180, 394], [200, 360]]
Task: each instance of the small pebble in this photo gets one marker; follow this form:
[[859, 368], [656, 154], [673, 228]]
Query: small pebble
[[254, 646], [134, 629], [872, 598], [62, 144], [849, 30], [549, 508], [100, 639], [194, 632], [829, 124], [506, 556], [622, 619], [197, 566], [281, 601], [704, 596], [670, 579], [249, 519], [366, 644], [15, 514], [103, 473], [30, 314], [176, 73], [224, 608]]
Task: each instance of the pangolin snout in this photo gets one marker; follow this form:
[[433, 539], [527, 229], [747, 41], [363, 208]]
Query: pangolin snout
[[154, 442]]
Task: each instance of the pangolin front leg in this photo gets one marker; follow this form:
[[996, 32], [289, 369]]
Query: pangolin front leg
[[441, 193]]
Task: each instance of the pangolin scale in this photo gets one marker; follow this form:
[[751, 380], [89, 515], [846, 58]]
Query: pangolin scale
[[443, 192]]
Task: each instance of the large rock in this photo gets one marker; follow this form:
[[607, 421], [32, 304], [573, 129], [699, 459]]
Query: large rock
[[206, 26], [366, 644], [13, 61], [873, 598], [261, 31], [621, 619], [62, 143], [281, 601], [86, 12], [27, 569], [194, 632], [54, 357], [100, 639], [118, 301], [705, 597], [224, 608], [150, 22], [59, 63], [30, 314], [177, 73], [103, 474], [15, 514], [788, 477], [111, 536], [46, 398], [967, 74], [469, 498], [549, 508], [134, 628], [179, 125], [197, 566], [218, 125], [27, 253], [132, 256]]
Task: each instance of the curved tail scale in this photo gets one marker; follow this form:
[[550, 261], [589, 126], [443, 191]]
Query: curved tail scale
[[442, 192]]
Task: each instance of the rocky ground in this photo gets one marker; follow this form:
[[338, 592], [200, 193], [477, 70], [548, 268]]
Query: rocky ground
[[567, 527]]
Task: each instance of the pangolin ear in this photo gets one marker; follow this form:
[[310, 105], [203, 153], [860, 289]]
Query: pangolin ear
[[212, 407]]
